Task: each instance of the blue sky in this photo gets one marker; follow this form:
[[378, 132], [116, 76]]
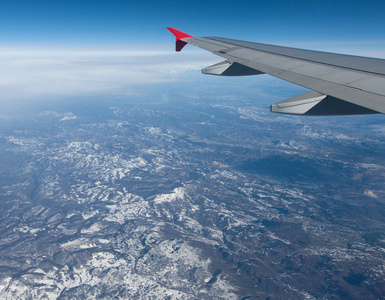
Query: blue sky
[[51, 48], [125, 22]]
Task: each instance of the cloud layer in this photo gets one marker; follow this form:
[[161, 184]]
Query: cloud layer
[[38, 73], [52, 72]]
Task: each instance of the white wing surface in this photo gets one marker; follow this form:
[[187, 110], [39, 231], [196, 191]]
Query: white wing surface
[[341, 84]]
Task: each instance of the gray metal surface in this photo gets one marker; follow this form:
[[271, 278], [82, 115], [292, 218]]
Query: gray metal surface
[[367, 64], [226, 68], [358, 80]]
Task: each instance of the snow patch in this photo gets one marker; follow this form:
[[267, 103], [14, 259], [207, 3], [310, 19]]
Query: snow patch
[[178, 193]]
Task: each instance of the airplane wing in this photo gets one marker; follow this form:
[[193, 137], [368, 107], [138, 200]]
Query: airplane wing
[[340, 84]]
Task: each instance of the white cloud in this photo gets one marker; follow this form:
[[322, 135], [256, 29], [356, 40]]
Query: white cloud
[[28, 73], [53, 72]]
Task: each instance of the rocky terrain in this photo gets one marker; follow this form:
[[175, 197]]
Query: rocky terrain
[[195, 198]]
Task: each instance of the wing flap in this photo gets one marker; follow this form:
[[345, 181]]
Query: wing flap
[[317, 104], [298, 105], [226, 68]]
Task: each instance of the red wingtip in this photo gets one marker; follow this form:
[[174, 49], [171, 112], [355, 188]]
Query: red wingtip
[[180, 38], [178, 34]]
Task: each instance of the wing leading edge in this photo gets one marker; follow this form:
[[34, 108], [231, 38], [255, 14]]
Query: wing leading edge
[[341, 84]]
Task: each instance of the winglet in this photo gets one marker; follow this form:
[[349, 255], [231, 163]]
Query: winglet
[[181, 38]]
